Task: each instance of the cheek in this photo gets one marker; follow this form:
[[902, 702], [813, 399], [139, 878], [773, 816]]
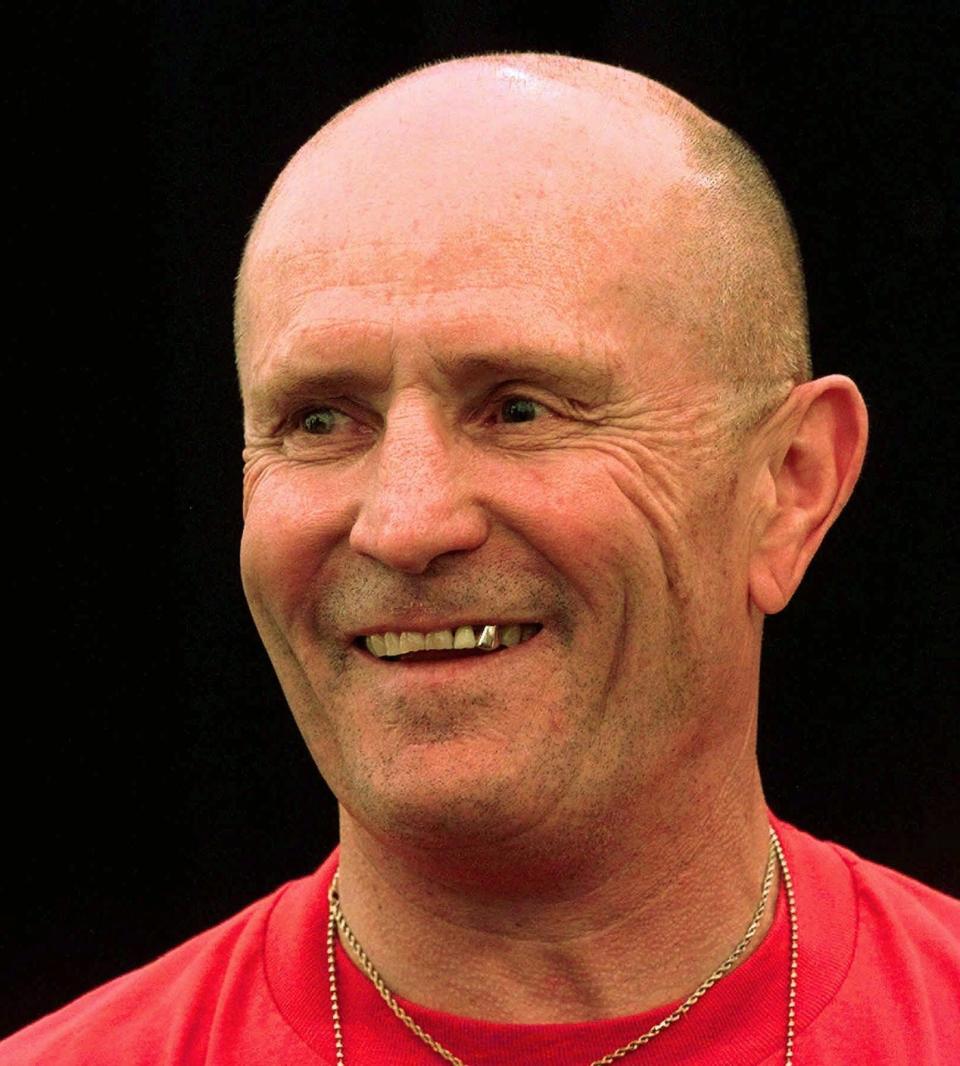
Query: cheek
[[577, 517], [554, 504], [584, 506], [292, 521]]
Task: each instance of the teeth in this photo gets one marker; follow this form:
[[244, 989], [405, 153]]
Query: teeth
[[488, 638], [464, 637], [377, 644], [411, 642], [441, 640]]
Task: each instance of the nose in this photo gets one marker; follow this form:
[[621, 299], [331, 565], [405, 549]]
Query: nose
[[418, 503]]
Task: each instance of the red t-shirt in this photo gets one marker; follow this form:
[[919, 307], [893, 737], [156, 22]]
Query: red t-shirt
[[878, 983]]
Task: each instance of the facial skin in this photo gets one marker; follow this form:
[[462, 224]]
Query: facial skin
[[492, 311], [475, 354]]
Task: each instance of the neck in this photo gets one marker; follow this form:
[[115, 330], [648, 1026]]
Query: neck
[[572, 926]]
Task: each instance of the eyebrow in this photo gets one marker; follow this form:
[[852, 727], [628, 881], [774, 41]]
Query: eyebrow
[[291, 379], [297, 373], [549, 367]]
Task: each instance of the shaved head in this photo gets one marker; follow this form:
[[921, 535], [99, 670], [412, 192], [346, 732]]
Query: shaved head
[[695, 194], [506, 330]]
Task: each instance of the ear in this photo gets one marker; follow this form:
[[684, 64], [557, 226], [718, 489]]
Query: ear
[[816, 447]]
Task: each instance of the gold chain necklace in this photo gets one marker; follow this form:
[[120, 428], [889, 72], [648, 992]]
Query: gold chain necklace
[[338, 921]]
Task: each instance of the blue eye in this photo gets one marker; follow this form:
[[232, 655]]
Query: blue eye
[[519, 409], [318, 422]]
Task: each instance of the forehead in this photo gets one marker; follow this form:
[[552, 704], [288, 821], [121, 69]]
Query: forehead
[[479, 145], [494, 214], [353, 337]]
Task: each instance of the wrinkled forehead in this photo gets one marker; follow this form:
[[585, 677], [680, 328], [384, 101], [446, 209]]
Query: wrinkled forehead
[[488, 179]]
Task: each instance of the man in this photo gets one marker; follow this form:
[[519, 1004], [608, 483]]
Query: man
[[532, 447]]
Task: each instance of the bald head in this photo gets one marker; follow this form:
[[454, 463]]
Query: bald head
[[682, 216]]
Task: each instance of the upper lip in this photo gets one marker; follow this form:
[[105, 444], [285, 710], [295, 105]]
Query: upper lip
[[414, 623]]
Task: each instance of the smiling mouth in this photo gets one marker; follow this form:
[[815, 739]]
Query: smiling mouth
[[462, 642]]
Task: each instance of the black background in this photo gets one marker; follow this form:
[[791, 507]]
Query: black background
[[155, 781]]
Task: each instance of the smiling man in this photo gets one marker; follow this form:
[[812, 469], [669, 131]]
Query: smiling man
[[532, 448]]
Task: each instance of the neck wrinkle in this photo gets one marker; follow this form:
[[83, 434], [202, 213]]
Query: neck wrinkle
[[648, 931]]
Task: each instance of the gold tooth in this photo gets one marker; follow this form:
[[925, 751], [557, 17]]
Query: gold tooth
[[489, 638]]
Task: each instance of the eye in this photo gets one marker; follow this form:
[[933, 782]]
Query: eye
[[319, 421], [322, 432], [518, 409]]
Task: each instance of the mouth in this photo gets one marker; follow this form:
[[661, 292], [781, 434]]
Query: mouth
[[466, 641]]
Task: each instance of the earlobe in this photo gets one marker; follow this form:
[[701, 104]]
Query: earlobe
[[814, 460]]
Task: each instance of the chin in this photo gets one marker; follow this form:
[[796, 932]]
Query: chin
[[434, 795]]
